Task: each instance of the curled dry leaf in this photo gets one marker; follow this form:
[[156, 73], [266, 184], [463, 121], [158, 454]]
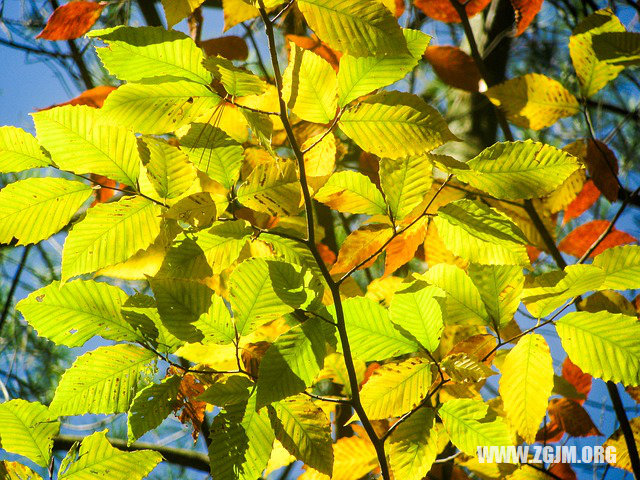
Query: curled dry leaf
[[72, 20]]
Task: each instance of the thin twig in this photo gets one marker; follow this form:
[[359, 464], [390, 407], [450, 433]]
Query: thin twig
[[326, 132], [343, 401], [8, 301]]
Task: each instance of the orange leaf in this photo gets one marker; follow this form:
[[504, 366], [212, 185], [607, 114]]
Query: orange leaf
[[580, 239], [533, 252], [71, 20], [368, 372], [576, 377], [477, 347], [229, 47], [585, 199], [525, 11], [454, 67], [603, 168], [443, 11], [94, 97], [318, 47], [328, 257], [563, 471], [399, 8], [365, 242], [103, 195], [403, 248], [572, 418]]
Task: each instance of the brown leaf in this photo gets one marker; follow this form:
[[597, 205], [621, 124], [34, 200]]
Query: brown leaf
[[191, 410], [576, 377], [572, 418], [578, 241], [563, 471], [477, 347], [585, 199], [318, 47], [360, 245], [71, 20], [443, 11], [603, 168], [252, 354], [525, 11], [550, 433], [454, 67], [403, 248], [230, 47], [634, 392]]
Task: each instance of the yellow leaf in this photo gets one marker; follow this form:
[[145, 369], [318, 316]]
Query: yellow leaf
[[360, 245], [526, 384], [617, 441], [533, 101], [237, 11], [272, 188], [320, 161], [176, 10]]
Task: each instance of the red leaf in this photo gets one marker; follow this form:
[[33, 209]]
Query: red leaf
[[572, 418], [72, 20], [93, 97], [454, 67], [229, 47], [525, 11], [576, 377], [603, 168], [443, 10], [585, 199], [580, 240]]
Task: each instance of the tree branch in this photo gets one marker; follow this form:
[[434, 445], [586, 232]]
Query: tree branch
[[311, 244], [177, 456], [14, 285]]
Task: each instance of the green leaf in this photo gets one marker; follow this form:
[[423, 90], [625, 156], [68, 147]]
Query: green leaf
[[359, 27], [469, 424], [73, 313], [359, 76], [519, 170], [96, 241], [292, 362], [621, 266], [198, 210], [181, 302], [26, 429], [168, 168], [304, 430], [151, 406], [241, 441], [236, 81], [603, 344], [371, 333], [136, 54], [405, 182], [481, 234], [500, 287], [419, 309], [96, 458], [413, 446], [526, 385], [546, 292], [223, 242], [159, 108], [352, 192], [213, 152], [79, 141], [20, 151], [33, 209], [263, 290], [236, 389], [272, 188], [395, 124], [310, 86], [463, 302], [104, 380], [216, 324], [593, 74], [291, 251], [396, 387]]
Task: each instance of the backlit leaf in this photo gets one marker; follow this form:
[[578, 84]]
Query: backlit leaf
[[617, 441], [454, 67], [352, 192], [20, 151], [237, 82], [443, 11], [71, 20], [525, 11], [500, 287], [33, 209], [176, 10], [579, 240], [583, 202], [413, 446], [621, 266], [405, 182], [168, 169], [368, 241], [272, 188]]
